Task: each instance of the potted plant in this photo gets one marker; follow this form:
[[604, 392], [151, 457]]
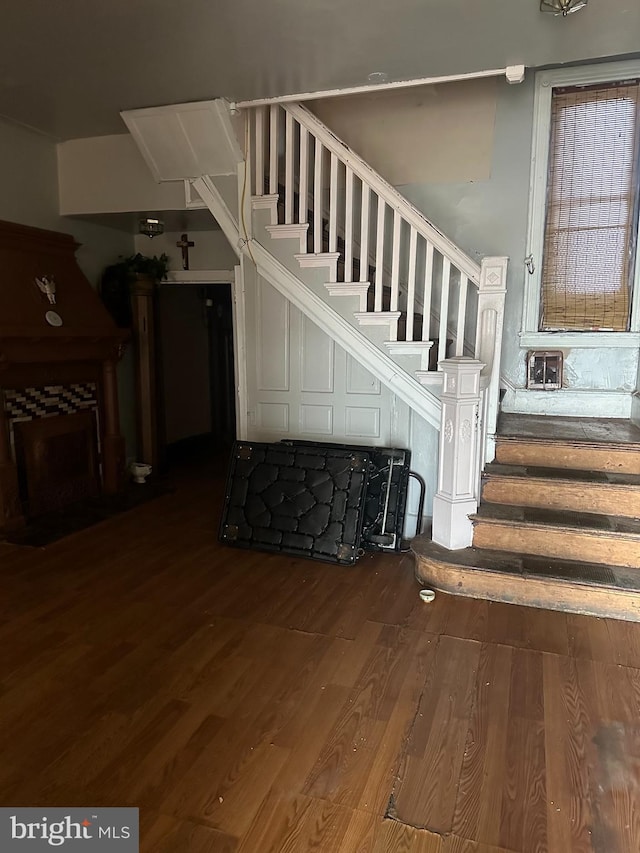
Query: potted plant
[[115, 285]]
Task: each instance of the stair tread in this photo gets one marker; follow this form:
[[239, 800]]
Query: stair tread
[[542, 428], [540, 517], [607, 478], [527, 565]]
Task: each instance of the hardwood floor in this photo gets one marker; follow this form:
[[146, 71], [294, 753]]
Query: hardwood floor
[[253, 703]]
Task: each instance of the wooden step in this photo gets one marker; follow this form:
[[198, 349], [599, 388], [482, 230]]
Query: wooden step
[[563, 535], [562, 489], [564, 453], [589, 444], [576, 587]]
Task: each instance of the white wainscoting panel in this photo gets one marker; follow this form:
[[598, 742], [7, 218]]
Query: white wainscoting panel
[[272, 339], [317, 356], [361, 423], [316, 420], [273, 417], [359, 380]]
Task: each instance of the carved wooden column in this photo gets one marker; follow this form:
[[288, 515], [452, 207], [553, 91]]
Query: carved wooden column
[[11, 516], [113, 449], [455, 499], [144, 344]]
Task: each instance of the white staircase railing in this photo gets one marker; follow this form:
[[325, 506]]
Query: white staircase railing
[[411, 277], [349, 207]]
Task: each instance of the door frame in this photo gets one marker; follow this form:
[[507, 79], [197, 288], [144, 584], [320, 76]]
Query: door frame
[[235, 279]]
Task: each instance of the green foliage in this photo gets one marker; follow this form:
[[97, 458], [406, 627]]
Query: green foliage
[[115, 286]]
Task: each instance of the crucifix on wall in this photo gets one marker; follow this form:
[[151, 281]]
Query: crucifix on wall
[[185, 244]]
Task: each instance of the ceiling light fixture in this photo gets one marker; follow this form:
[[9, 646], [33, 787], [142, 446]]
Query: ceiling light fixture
[[151, 227], [562, 7]]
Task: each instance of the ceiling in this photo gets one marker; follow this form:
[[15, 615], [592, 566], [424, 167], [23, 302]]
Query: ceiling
[[67, 69]]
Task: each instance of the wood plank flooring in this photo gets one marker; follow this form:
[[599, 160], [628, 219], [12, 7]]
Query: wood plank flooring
[[253, 703]]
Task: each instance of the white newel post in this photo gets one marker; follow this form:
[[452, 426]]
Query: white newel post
[[455, 499], [491, 296]]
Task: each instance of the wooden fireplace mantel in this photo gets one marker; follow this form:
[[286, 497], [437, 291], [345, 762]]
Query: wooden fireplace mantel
[[36, 354]]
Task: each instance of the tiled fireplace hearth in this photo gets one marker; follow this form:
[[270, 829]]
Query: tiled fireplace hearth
[[54, 433]]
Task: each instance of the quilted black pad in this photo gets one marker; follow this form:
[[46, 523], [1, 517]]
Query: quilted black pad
[[299, 500], [383, 521]]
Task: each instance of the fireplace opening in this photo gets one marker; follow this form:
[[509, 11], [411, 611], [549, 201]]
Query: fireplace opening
[[57, 461]]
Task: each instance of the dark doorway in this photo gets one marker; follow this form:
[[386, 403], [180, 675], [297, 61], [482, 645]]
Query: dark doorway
[[196, 373], [221, 364]]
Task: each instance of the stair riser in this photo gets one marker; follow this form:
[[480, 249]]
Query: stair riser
[[578, 545], [563, 595], [567, 455], [599, 498]]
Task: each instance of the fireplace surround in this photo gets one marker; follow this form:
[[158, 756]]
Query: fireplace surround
[[60, 438]]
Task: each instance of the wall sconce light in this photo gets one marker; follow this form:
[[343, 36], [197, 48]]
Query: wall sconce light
[[151, 227], [562, 7]]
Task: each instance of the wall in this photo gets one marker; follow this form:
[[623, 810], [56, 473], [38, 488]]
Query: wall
[[29, 181], [415, 136], [211, 251], [483, 210]]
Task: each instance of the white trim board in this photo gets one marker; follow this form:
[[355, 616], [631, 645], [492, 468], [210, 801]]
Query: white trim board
[[580, 340], [513, 74], [199, 277]]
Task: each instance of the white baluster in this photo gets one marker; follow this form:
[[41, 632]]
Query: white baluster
[[273, 149], [455, 499], [333, 203], [379, 256], [462, 313], [444, 309], [288, 170], [364, 233], [303, 203], [259, 174], [348, 226], [411, 284], [395, 261], [317, 199], [426, 294]]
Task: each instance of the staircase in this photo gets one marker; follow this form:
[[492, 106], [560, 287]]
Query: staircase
[[558, 524], [340, 244], [360, 261]]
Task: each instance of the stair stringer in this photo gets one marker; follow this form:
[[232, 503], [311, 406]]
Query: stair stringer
[[417, 396], [213, 199]]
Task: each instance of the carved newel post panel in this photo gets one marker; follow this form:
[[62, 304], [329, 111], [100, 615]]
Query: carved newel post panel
[[459, 435]]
